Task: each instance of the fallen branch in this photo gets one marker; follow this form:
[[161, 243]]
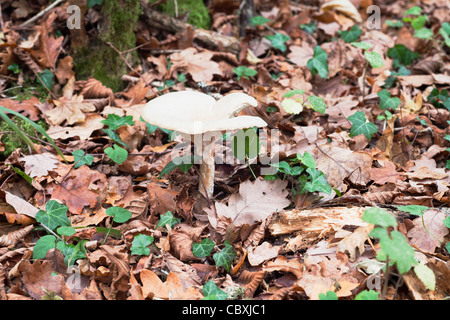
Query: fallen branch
[[212, 39]]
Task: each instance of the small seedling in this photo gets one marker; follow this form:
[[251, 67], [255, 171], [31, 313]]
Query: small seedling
[[360, 125], [223, 258], [244, 72], [294, 100], [167, 219], [318, 64]]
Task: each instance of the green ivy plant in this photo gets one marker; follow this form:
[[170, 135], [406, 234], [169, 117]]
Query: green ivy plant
[[318, 64], [223, 258], [294, 100], [116, 153]]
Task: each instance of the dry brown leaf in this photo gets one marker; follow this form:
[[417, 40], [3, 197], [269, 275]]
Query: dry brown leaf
[[69, 109], [38, 165], [13, 237], [64, 70], [422, 238], [338, 164], [198, 65], [25, 107], [355, 241], [386, 174], [254, 202], [172, 289], [84, 130], [263, 252], [427, 173], [20, 205]]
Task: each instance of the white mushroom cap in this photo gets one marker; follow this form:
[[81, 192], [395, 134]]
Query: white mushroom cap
[[194, 112]]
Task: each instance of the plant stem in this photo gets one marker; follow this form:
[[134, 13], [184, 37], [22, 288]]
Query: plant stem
[[364, 81], [386, 279]]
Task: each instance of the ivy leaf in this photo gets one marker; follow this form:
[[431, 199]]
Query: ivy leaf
[[119, 214], [80, 158], [367, 295], [258, 21], [225, 257], [375, 60], [307, 159], [402, 54], [66, 231], [114, 122], [54, 216], [413, 209], [115, 137], [167, 218], [445, 32], [243, 71], [212, 292], [426, 275], [71, 252], [413, 11], [351, 35], [42, 246], [45, 78], [139, 246], [446, 221], [329, 295], [183, 163], [318, 63], [386, 101], [317, 104], [203, 249], [278, 40], [394, 23], [380, 217], [318, 181], [361, 126], [117, 154]]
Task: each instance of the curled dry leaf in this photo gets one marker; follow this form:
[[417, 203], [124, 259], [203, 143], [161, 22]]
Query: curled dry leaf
[[13, 237], [355, 241]]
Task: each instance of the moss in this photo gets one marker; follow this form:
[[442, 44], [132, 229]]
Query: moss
[[99, 60], [12, 141], [30, 88], [198, 13]]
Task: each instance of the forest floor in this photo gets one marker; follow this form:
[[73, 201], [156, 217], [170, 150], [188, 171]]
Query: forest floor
[[355, 98]]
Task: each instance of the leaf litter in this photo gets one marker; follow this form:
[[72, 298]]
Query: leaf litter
[[267, 240]]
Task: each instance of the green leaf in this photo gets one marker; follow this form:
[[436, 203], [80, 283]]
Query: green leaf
[[54, 216], [45, 78], [291, 106], [423, 33], [361, 126], [446, 222], [318, 181], [386, 101], [402, 54], [362, 45], [426, 275], [329, 295], [225, 257], [418, 23], [22, 174], [317, 104], [319, 63], [139, 246], [243, 71], [42, 246], [80, 158], [413, 11], [212, 292], [351, 35], [167, 218], [71, 252], [258, 21], [114, 122], [203, 249], [309, 27], [245, 144], [118, 154], [91, 3], [293, 92], [66, 231], [119, 214], [413, 209], [380, 217], [278, 40], [184, 163], [367, 295], [445, 32], [394, 23], [14, 67], [396, 247], [374, 58], [307, 159]]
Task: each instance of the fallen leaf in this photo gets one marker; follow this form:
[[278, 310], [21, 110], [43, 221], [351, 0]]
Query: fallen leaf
[[426, 240], [254, 202], [198, 65], [38, 165], [355, 241], [263, 252]]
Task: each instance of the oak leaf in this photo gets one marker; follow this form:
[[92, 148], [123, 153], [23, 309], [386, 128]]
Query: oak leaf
[[198, 65], [38, 165]]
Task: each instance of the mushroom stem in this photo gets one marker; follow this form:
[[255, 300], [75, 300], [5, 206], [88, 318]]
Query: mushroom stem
[[207, 167]]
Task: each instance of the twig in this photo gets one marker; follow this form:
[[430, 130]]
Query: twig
[[41, 13]]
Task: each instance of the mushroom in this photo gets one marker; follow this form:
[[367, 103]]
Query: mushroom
[[195, 113]]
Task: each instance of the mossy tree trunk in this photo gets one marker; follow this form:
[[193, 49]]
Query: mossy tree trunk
[[98, 59]]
